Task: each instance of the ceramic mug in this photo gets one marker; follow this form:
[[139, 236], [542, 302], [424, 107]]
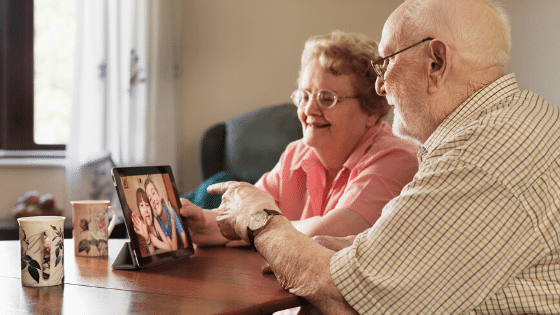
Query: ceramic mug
[[42, 250], [90, 220]]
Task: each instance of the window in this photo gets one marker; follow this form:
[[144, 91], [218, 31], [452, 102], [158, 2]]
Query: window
[[23, 125]]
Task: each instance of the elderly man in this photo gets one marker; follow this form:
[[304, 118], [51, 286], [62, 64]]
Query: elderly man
[[477, 230]]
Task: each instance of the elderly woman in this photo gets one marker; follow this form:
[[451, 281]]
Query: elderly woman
[[348, 165]]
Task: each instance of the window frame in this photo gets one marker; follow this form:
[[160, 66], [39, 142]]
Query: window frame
[[17, 79]]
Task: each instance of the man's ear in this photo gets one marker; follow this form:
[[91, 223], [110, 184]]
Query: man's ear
[[438, 66]]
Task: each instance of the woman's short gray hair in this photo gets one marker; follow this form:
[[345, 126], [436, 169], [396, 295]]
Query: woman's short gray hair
[[349, 54]]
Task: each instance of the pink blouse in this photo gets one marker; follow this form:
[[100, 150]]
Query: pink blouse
[[374, 173]]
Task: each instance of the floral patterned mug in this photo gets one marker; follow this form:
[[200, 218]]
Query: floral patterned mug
[[42, 250], [92, 228]]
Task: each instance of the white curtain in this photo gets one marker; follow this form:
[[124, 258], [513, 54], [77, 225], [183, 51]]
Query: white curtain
[[124, 105]]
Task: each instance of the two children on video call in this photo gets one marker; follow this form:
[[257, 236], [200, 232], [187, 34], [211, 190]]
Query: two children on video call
[[155, 218]]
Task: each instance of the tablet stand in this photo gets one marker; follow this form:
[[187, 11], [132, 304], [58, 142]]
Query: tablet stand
[[125, 260]]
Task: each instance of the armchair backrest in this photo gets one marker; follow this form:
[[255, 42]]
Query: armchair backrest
[[250, 144]]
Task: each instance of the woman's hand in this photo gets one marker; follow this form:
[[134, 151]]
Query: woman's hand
[[194, 215], [140, 227], [202, 224]]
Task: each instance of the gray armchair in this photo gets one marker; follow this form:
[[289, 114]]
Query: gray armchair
[[250, 144], [244, 148]]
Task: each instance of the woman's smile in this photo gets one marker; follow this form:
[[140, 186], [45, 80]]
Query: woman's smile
[[338, 128], [317, 125]]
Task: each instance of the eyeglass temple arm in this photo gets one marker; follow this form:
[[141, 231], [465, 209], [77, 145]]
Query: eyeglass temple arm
[[381, 60]]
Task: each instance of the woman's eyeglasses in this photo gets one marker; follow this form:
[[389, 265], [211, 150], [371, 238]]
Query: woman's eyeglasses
[[325, 98]]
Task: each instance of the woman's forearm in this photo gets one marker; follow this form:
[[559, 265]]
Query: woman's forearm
[[338, 222]]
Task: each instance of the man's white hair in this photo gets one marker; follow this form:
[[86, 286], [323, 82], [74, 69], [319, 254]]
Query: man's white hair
[[479, 30]]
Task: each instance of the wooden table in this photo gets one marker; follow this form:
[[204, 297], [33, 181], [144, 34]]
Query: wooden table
[[213, 281]]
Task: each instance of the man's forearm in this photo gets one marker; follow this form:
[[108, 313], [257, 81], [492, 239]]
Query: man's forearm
[[301, 265]]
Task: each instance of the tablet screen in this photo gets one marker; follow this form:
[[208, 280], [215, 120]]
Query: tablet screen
[[150, 205]]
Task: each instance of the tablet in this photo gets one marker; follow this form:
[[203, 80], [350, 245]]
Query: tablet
[[150, 205]]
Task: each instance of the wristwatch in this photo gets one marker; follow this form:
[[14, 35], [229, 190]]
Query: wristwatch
[[257, 222]]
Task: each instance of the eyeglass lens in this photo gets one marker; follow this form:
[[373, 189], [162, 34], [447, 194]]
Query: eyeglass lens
[[324, 98]]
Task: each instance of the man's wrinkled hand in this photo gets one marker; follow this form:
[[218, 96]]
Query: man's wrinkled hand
[[239, 201]]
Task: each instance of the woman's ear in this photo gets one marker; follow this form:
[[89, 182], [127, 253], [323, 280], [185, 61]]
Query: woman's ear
[[438, 65]]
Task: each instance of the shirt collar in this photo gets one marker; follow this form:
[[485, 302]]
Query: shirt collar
[[364, 145], [470, 110]]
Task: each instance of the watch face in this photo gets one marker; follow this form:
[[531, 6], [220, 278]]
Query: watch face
[[257, 220]]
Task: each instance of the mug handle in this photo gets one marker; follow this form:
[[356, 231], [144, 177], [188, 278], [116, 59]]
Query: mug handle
[[113, 220]]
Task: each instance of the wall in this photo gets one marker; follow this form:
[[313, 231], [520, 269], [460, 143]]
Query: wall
[[18, 179], [244, 54], [535, 55], [239, 55]]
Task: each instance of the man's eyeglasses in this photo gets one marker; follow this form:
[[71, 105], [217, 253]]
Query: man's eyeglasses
[[378, 65], [325, 98]]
